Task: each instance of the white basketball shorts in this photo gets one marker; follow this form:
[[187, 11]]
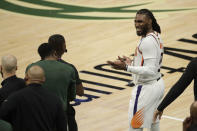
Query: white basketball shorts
[[144, 101]]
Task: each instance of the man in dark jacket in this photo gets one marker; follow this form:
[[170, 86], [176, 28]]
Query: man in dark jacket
[[34, 108], [10, 84]]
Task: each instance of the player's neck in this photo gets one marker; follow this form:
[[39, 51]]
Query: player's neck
[[148, 32], [51, 58]]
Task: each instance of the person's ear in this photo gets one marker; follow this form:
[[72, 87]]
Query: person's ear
[[56, 54], [26, 77], [16, 67]]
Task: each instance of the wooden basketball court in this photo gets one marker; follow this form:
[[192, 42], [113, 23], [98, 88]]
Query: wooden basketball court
[[97, 31]]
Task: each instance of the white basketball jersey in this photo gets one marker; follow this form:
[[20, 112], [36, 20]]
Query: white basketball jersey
[[150, 47]]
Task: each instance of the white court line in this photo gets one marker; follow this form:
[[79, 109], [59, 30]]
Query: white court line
[[173, 118]]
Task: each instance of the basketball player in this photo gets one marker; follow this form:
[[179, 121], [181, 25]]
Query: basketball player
[[44, 51], [145, 69], [58, 43]]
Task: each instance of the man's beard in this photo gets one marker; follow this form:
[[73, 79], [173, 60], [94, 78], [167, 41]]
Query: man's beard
[[143, 31]]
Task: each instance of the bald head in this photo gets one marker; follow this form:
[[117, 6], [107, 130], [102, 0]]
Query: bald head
[[9, 63], [193, 111], [35, 74]]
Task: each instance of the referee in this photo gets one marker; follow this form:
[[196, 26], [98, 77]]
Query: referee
[[178, 88]]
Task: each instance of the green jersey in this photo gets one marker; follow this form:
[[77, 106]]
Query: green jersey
[[60, 79]]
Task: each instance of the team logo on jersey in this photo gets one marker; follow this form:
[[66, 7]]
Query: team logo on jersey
[[51, 9]]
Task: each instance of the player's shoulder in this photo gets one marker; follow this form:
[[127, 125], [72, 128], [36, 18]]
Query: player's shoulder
[[152, 37], [147, 42], [147, 39], [64, 62], [43, 63], [67, 63], [52, 63], [36, 63]]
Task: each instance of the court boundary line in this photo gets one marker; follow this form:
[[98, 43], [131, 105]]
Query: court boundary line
[[173, 118]]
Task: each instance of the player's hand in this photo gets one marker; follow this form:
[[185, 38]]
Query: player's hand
[[126, 59], [119, 65], [121, 59], [157, 114], [187, 123]]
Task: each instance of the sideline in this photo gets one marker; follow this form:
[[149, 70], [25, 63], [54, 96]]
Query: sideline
[[173, 118]]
